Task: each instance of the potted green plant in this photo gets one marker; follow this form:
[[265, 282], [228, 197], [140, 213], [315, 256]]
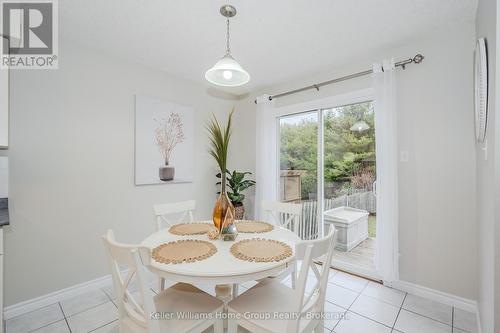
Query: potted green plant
[[237, 183]]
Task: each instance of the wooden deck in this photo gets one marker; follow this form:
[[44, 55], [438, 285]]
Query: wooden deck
[[362, 255]]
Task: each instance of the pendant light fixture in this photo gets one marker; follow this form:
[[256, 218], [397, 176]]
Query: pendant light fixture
[[227, 72], [360, 126]]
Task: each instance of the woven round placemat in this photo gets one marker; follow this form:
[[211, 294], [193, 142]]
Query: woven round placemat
[[185, 229], [185, 250], [261, 250], [253, 227]]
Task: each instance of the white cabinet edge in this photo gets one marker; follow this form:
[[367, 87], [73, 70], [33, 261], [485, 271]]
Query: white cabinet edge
[[4, 107]]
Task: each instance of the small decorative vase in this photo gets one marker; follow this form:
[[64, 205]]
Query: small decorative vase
[[229, 231], [166, 172], [239, 211], [223, 214]]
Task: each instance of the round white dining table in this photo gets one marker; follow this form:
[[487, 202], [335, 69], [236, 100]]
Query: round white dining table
[[221, 269]]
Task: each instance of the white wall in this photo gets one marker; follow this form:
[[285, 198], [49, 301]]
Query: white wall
[[438, 244], [72, 167], [486, 26]]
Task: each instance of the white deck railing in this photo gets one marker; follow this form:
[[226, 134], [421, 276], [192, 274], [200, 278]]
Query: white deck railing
[[309, 224]]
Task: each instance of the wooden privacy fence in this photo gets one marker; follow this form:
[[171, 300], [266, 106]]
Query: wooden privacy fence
[[308, 228]]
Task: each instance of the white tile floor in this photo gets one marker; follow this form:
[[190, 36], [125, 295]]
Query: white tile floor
[[362, 307]]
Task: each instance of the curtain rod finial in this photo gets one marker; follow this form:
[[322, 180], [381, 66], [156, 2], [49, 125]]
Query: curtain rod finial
[[418, 58]]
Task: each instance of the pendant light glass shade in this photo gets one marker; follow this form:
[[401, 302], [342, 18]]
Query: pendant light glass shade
[[227, 72], [360, 126]]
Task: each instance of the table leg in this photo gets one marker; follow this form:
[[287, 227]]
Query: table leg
[[224, 293], [235, 291]]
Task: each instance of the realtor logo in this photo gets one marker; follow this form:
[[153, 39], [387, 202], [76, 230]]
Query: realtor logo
[[30, 34]]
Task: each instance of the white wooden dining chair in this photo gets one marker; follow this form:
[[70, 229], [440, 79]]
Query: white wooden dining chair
[[169, 213], [147, 314], [283, 214], [270, 296], [287, 215]]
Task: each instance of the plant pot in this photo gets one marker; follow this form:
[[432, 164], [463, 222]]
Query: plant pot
[[239, 211], [166, 173]]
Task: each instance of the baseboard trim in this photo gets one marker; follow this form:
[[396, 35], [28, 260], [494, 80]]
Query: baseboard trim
[[439, 296], [54, 297], [436, 295], [478, 320]]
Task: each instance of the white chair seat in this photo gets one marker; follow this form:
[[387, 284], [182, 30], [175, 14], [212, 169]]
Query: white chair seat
[[180, 298], [279, 309], [185, 298], [266, 297]]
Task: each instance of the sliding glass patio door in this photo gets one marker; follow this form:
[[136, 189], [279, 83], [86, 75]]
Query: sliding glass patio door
[[298, 167], [349, 181], [327, 162]]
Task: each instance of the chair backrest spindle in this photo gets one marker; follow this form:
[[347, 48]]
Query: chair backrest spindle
[[126, 256], [164, 212], [284, 214]]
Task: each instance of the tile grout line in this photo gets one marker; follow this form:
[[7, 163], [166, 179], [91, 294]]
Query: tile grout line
[[364, 316], [421, 315], [95, 329], [338, 285], [347, 310], [93, 306], [43, 326], [46, 325], [452, 318], [64, 315], [401, 307], [359, 314], [109, 297], [106, 294], [351, 275], [42, 307], [385, 302]]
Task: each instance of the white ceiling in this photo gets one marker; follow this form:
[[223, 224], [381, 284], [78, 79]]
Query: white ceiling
[[275, 40]]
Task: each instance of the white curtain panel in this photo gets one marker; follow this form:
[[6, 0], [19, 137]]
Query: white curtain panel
[[266, 154], [384, 84]]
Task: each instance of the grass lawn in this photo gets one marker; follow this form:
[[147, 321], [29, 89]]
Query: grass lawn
[[372, 225]]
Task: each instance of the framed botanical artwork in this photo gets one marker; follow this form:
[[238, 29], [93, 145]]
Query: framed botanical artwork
[[164, 142]]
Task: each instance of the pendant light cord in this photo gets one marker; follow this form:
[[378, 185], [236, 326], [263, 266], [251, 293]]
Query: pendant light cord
[[228, 49]]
